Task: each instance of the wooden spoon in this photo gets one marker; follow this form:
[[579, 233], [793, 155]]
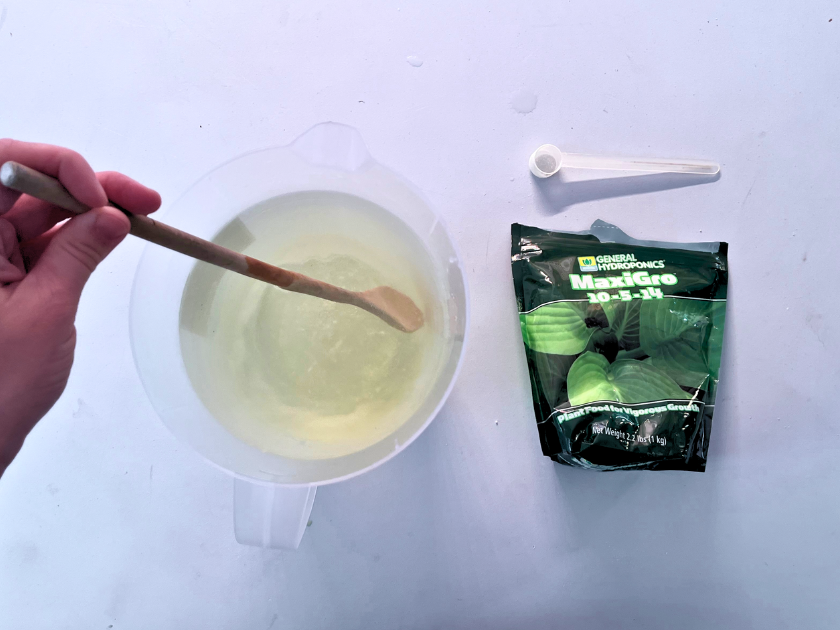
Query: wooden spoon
[[391, 306]]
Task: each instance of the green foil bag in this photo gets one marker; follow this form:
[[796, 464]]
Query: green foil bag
[[623, 341]]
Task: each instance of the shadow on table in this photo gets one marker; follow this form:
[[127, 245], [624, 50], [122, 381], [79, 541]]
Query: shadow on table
[[627, 613], [555, 194], [640, 548]]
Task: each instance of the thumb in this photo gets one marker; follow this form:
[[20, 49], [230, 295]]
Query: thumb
[[77, 248]]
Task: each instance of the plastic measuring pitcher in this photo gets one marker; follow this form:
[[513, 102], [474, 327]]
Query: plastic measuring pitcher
[[273, 495]]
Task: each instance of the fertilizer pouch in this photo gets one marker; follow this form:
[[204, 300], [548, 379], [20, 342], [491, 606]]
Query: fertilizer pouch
[[623, 340]]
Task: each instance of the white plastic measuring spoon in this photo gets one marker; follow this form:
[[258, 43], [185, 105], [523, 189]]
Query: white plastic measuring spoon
[[548, 160]]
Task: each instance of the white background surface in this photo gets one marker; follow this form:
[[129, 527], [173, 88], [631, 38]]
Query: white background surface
[[106, 521]]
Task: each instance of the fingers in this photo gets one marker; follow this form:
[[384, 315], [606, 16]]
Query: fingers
[[31, 250], [62, 258], [68, 166], [129, 194], [75, 250], [11, 263], [32, 217]]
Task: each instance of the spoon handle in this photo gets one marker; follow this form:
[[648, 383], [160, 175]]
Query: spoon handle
[[36, 184], [650, 165], [393, 307]]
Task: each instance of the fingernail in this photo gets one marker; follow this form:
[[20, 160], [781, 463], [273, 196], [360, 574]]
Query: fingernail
[[111, 224]]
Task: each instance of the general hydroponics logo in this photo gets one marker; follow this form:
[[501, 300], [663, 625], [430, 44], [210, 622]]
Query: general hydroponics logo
[[612, 262], [587, 263]]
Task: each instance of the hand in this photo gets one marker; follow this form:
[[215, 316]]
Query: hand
[[43, 269]]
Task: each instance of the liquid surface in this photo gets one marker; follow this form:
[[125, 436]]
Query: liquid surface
[[295, 375]]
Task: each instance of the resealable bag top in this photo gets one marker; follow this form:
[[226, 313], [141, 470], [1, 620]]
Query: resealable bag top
[[623, 340]]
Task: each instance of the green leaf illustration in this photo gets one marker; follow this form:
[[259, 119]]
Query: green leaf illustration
[[683, 338], [593, 378], [624, 318], [621, 335], [557, 328], [552, 371], [686, 375]]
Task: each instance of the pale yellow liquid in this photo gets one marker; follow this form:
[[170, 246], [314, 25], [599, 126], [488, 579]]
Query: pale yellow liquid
[[301, 377]]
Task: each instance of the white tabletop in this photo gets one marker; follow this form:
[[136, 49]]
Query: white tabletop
[[107, 521]]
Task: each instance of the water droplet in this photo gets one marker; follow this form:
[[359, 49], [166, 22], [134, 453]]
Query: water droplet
[[415, 60], [523, 101]]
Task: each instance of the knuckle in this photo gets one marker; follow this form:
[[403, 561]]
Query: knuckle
[[8, 238], [7, 228], [113, 182], [70, 154], [72, 159], [109, 180]]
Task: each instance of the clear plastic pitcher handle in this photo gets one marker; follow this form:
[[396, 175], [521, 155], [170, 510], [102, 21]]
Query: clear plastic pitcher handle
[[268, 515]]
